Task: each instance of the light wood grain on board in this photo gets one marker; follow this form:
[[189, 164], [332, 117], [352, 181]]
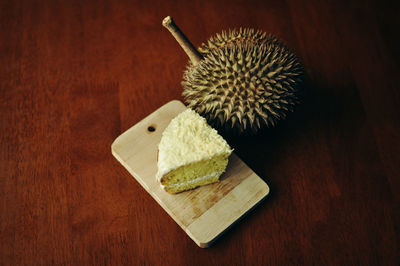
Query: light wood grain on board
[[204, 213]]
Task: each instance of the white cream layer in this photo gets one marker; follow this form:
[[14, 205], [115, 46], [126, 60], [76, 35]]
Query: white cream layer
[[193, 180]]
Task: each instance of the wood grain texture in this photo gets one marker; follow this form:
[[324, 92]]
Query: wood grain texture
[[76, 74], [203, 213]]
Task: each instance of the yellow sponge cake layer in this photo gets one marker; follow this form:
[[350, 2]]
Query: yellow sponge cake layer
[[195, 174], [191, 153]]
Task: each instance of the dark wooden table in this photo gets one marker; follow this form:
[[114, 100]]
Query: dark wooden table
[[76, 74]]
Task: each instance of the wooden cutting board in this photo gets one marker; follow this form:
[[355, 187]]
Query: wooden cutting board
[[204, 213]]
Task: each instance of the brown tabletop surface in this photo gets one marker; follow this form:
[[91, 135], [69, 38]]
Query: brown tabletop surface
[[75, 74]]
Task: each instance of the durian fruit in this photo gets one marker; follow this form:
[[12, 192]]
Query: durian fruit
[[243, 81]]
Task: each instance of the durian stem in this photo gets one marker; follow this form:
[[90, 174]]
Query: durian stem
[[187, 46]]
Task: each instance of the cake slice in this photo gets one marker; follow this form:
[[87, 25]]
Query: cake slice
[[190, 154]]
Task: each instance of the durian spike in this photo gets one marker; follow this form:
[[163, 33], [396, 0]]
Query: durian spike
[[190, 50]]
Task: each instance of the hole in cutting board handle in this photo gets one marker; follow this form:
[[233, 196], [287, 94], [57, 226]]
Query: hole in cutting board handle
[[151, 128]]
